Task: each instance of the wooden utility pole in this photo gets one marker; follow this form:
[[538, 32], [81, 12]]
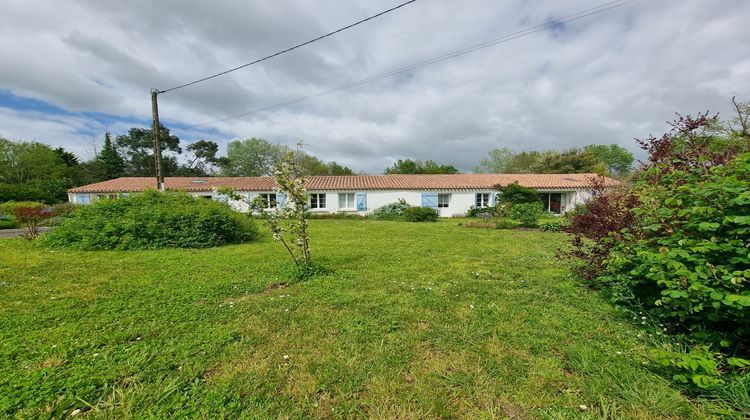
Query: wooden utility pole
[[157, 145]]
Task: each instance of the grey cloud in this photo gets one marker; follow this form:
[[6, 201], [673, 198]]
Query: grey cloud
[[604, 79]]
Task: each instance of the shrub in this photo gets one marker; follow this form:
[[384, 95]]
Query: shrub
[[527, 214], [60, 212], [505, 224], [32, 218], [552, 227], [392, 211], [152, 220], [420, 214], [516, 194], [674, 243], [7, 222], [9, 207]]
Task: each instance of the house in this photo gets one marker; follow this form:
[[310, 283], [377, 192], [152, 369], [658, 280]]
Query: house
[[450, 195]]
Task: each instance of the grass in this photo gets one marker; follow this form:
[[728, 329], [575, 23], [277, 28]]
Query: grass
[[420, 320]]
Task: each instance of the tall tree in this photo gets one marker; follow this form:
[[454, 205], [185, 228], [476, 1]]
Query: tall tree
[[571, 161], [203, 160], [253, 157], [497, 162], [34, 171], [408, 166], [616, 158], [110, 164], [137, 149]]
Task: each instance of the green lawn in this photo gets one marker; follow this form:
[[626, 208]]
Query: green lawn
[[420, 320]]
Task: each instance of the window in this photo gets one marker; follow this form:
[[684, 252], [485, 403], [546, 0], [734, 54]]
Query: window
[[444, 200], [346, 201], [552, 202], [482, 200], [84, 198], [317, 201], [106, 196], [270, 200]]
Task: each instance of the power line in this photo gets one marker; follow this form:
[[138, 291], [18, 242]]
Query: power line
[[288, 49], [463, 51]]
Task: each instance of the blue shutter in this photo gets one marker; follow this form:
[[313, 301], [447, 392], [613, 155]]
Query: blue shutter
[[361, 202], [430, 200], [281, 199]]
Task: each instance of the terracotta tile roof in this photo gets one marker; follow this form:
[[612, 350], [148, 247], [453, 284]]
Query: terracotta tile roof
[[353, 182]]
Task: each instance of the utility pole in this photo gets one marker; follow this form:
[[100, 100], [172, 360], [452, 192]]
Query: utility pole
[[157, 145]]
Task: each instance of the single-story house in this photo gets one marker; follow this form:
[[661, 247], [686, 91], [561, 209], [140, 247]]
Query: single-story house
[[450, 195]]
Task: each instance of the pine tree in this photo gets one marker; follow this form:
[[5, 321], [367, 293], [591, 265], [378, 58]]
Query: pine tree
[[111, 164]]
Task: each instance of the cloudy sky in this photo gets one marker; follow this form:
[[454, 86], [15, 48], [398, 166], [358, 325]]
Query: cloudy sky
[[72, 70]]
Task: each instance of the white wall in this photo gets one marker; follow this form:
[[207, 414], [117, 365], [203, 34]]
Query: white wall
[[459, 204]]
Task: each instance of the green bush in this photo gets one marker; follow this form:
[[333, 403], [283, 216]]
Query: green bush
[[552, 227], [527, 214], [420, 214], [7, 222], [686, 260], [9, 207], [516, 194], [392, 211], [505, 224], [152, 220]]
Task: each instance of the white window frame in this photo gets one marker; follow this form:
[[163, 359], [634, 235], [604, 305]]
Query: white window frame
[[348, 205], [483, 202], [445, 202], [317, 205], [271, 199]]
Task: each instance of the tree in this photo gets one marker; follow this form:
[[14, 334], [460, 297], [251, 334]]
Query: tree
[[34, 171], [252, 157], [571, 161], [311, 165], [497, 162], [110, 164], [137, 149], [408, 166], [204, 160], [258, 157], [617, 159]]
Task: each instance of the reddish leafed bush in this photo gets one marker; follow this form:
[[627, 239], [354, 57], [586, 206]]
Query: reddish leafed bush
[[32, 218]]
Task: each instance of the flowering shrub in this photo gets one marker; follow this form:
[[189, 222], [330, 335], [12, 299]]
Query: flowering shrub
[[392, 211], [289, 222]]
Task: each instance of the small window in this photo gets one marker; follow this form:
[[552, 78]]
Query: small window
[[346, 201], [444, 201], [270, 200], [482, 200], [84, 198], [317, 201]]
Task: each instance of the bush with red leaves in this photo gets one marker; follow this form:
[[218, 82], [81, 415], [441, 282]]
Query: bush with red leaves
[[32, 218]]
